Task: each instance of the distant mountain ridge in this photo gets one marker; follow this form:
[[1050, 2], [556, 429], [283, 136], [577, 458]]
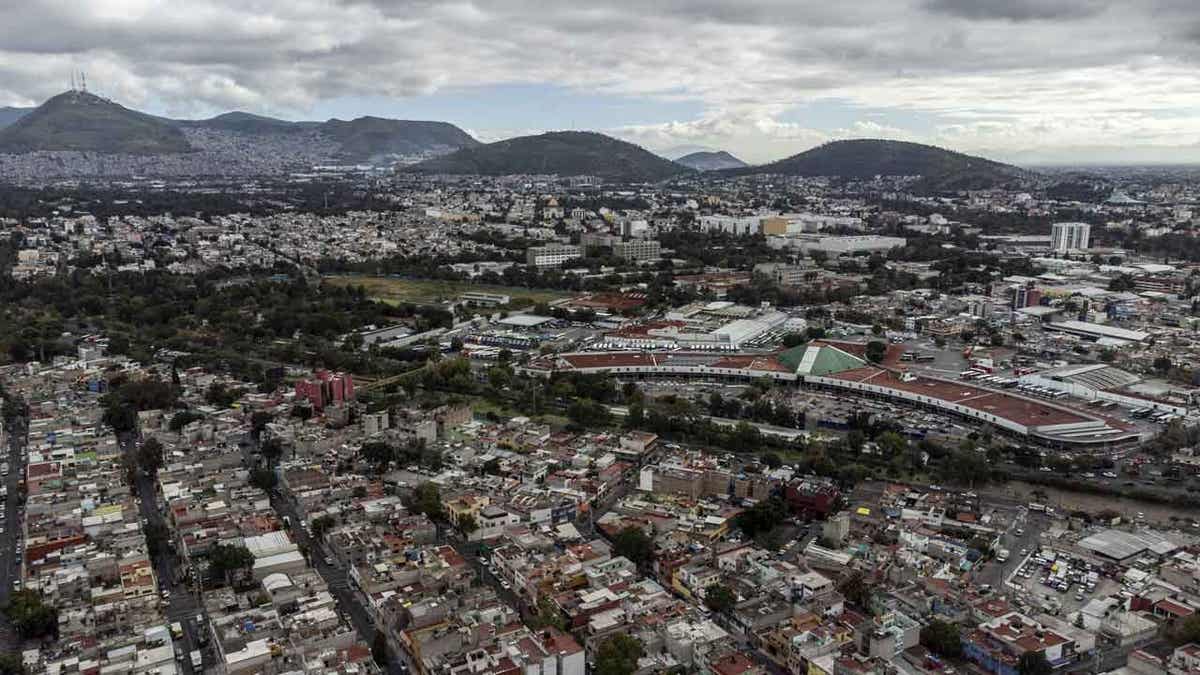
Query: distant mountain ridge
[[84, 122], [11, 114], [711, 161], [939, 169], [566, 153]]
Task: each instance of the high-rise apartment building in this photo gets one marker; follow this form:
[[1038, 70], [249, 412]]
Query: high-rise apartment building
[[326, 388], [1070, 236]]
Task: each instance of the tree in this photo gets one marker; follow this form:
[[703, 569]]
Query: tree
[[856, 590], [427, 499], [467, 525], [761, 518], [221, 396], [966, 467], [225, 559], [942, 638], [150, 456], [771, 460], [157, 536], [272, 450], [264, 479], [1162, 365], [633, 543], [1186, 631], [876, 350], [378, 454], [491, 467], [379, 649], [11, 664], [321, 525], [636, 416], [719, 598], [183, 418], [1121, 282], [548, 614], [618, 655], [1034, 663], [259, 421], [30, 615], [795, 339]]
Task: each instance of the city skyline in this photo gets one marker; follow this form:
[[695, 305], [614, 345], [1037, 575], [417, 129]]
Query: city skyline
[[1049, 82]]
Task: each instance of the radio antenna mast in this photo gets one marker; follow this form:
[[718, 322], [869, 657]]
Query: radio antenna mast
[[72, 80], [83, 81]]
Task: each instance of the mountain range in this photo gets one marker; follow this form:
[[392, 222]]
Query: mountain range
[[711, 161], [568, 153], [244, 143], [83, 122], [11, 114], [939, 169]]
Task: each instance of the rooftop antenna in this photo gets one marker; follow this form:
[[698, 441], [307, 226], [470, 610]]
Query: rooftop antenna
[[83, 81]]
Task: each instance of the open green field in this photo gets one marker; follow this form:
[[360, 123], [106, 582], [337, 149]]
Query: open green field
[[432, 291]]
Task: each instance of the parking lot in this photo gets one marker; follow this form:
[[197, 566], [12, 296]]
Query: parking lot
[[1060, 583]]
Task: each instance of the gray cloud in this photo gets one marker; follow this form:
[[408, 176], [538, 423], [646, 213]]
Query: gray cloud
[[1018, 10], [984, 72]]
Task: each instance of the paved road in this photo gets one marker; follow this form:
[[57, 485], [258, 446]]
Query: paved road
[[337, 578], [14, 441], [1023, 534], [184, 605]]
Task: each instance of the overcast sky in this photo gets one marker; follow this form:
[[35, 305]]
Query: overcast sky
[[1030, 81]]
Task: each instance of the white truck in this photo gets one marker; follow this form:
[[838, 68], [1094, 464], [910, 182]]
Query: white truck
[[1002, 556], [197, 661]]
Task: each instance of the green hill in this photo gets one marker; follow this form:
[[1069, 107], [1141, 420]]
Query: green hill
[[939, 169], [87, 123], [566, 153]]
